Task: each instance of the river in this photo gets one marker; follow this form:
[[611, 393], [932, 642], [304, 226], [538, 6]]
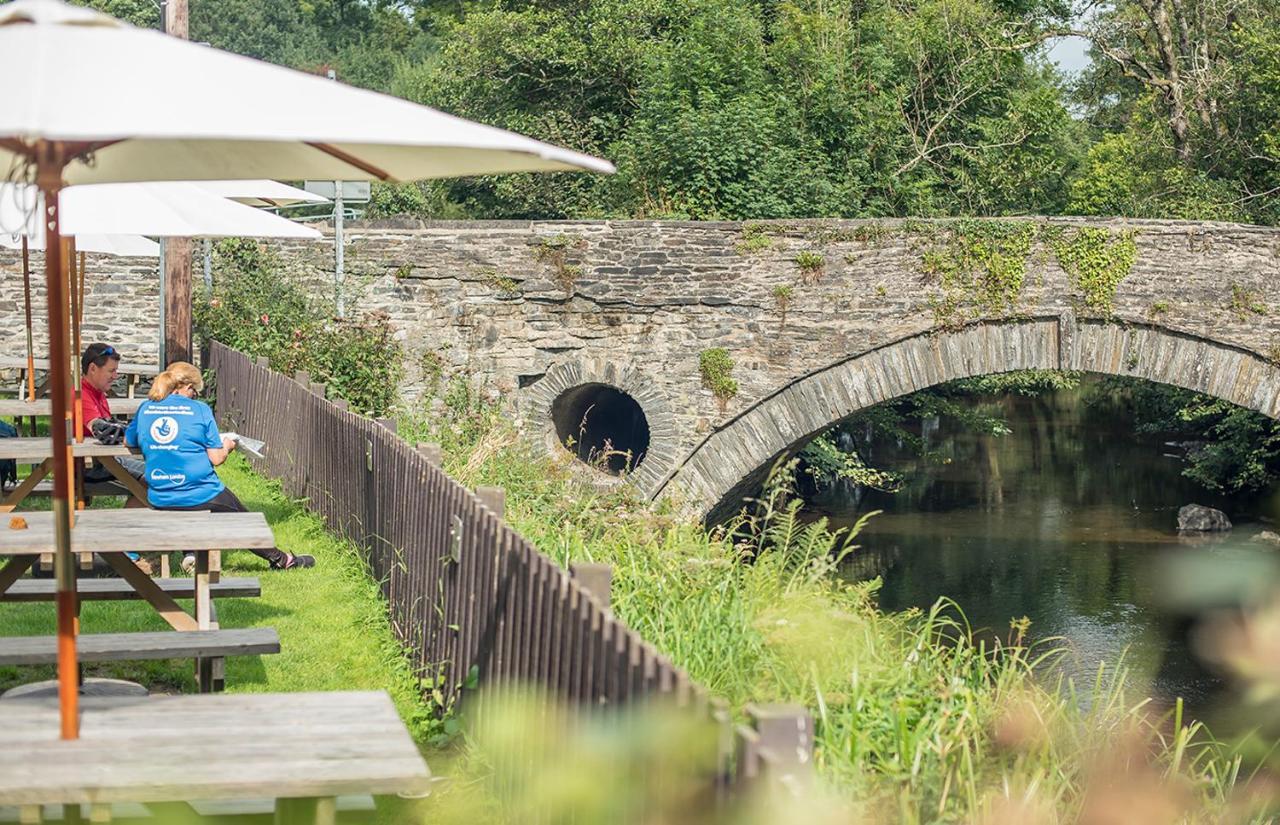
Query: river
[[1065, 520]]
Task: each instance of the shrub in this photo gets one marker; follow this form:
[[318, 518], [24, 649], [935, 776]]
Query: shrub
[[256, 309], [716, 368]]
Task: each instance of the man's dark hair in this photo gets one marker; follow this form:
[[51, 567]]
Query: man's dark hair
[[98, 355]]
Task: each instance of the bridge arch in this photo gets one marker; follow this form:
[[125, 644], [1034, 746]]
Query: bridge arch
[[725, 464]]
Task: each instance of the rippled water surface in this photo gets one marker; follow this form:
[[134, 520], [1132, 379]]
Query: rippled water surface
[[1066, 520]]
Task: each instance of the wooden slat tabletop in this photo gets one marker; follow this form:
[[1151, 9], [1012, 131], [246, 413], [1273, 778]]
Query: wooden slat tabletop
[[19, 362], [211, 746], [139, 531], [44, 407], [38, 449]]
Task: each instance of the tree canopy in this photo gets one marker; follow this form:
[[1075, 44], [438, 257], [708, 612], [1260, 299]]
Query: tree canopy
[[798, 108]]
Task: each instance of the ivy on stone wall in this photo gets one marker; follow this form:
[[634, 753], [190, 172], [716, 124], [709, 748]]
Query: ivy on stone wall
[[980, 265], [1096, 260]]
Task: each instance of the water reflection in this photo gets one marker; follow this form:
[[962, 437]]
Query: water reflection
[[1064, 520]]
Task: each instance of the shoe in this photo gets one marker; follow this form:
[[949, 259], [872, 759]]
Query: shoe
[[188, 564], [299, 561]]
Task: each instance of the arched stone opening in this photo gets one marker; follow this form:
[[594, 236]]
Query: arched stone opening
[[731, 460], [603, 426]]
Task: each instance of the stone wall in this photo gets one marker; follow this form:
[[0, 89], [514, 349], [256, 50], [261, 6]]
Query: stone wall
[[122, 304], [534, 308]]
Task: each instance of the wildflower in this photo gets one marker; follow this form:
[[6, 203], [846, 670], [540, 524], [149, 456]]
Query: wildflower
[[265, 319]]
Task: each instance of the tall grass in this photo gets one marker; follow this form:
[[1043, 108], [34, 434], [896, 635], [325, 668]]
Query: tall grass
[[917, 721]]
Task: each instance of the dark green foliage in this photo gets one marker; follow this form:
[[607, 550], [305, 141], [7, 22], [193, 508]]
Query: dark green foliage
[[830, 458], [1228, 449], [259, 311]]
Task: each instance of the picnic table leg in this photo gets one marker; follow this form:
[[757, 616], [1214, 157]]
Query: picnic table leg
[[28, 484], [218, 670], [31, 814], [164, 604], [13, 571], [314, 811], [135, 487], [203, 611]]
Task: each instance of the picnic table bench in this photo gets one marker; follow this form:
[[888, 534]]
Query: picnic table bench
[[301, 750]]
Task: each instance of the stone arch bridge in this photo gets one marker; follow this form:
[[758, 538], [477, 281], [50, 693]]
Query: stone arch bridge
[[598, 330]]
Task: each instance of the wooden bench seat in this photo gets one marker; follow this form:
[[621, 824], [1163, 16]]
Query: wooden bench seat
[[91, 488], [121, 647], [355, 808], [43, 590]]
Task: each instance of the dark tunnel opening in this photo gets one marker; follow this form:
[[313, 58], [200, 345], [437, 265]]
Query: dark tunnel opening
[[602, 426]]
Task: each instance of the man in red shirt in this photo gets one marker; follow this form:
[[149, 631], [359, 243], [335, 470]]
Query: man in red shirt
[[99, 366]]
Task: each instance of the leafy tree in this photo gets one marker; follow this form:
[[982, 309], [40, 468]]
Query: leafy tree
[[1228, 449]]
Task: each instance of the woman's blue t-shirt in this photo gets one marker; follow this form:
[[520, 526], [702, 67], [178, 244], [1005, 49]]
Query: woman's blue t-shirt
[[174, 435]]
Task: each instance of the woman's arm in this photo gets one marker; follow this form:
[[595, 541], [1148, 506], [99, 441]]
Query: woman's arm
[[217, 455]]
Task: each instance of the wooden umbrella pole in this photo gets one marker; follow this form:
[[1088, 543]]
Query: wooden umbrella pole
[[26, 293], [50, 160], [77, 299]]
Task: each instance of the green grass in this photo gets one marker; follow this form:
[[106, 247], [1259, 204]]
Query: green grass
[[332, 619], [916, 720]]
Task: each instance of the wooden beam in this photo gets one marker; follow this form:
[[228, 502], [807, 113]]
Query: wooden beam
[[351, 160], [164, 604]]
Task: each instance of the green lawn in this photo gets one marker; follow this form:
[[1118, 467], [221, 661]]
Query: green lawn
[[332, 619]]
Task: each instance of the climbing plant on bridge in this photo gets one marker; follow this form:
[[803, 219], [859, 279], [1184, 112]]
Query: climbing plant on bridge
[[980, 265], [1096, 260]]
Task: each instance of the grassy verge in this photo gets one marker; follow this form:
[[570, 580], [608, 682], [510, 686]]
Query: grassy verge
[[332, 619], [916, 722]]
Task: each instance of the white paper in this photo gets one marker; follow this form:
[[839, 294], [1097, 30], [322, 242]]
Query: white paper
[[253, 445]]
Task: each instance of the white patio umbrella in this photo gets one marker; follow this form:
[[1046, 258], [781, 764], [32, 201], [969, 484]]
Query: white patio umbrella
[[81, 108], [158, 209], [111, 217], [267, 193], [261, 193], [121, 246]]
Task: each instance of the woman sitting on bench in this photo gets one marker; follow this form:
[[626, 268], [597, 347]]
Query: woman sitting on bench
[[181, 445]]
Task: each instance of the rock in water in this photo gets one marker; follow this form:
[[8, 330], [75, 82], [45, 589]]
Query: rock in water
[[1268, 537], [1201, 519]]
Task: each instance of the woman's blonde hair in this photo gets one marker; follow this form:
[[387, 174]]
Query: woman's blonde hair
[[179, 374]]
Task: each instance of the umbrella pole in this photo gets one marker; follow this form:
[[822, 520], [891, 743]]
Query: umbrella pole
[[31, 352], [50, 161], [77, 301]]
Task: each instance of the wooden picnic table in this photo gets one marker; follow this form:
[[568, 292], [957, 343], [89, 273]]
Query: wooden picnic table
[[43, 407], [112, 533], [300, 749], [39, 451]]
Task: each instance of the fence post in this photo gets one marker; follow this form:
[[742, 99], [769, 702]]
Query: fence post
[[319, 389], [389, 423], [340, 403], [495, 498], [596, 579], [431, 452], [785, 738], [263, 361], [302, 377]]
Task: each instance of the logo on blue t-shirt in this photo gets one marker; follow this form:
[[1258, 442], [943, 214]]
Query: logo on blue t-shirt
[[164, 429], [175, 436]]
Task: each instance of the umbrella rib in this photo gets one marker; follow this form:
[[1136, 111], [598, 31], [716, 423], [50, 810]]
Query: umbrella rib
[[348, 158]]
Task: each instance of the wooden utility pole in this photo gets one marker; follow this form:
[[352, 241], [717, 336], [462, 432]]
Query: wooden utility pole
[[177, 251]]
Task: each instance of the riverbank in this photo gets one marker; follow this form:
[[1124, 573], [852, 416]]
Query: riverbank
[[915, 720]]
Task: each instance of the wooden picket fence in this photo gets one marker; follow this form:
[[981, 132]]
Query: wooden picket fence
[[472, 599]]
